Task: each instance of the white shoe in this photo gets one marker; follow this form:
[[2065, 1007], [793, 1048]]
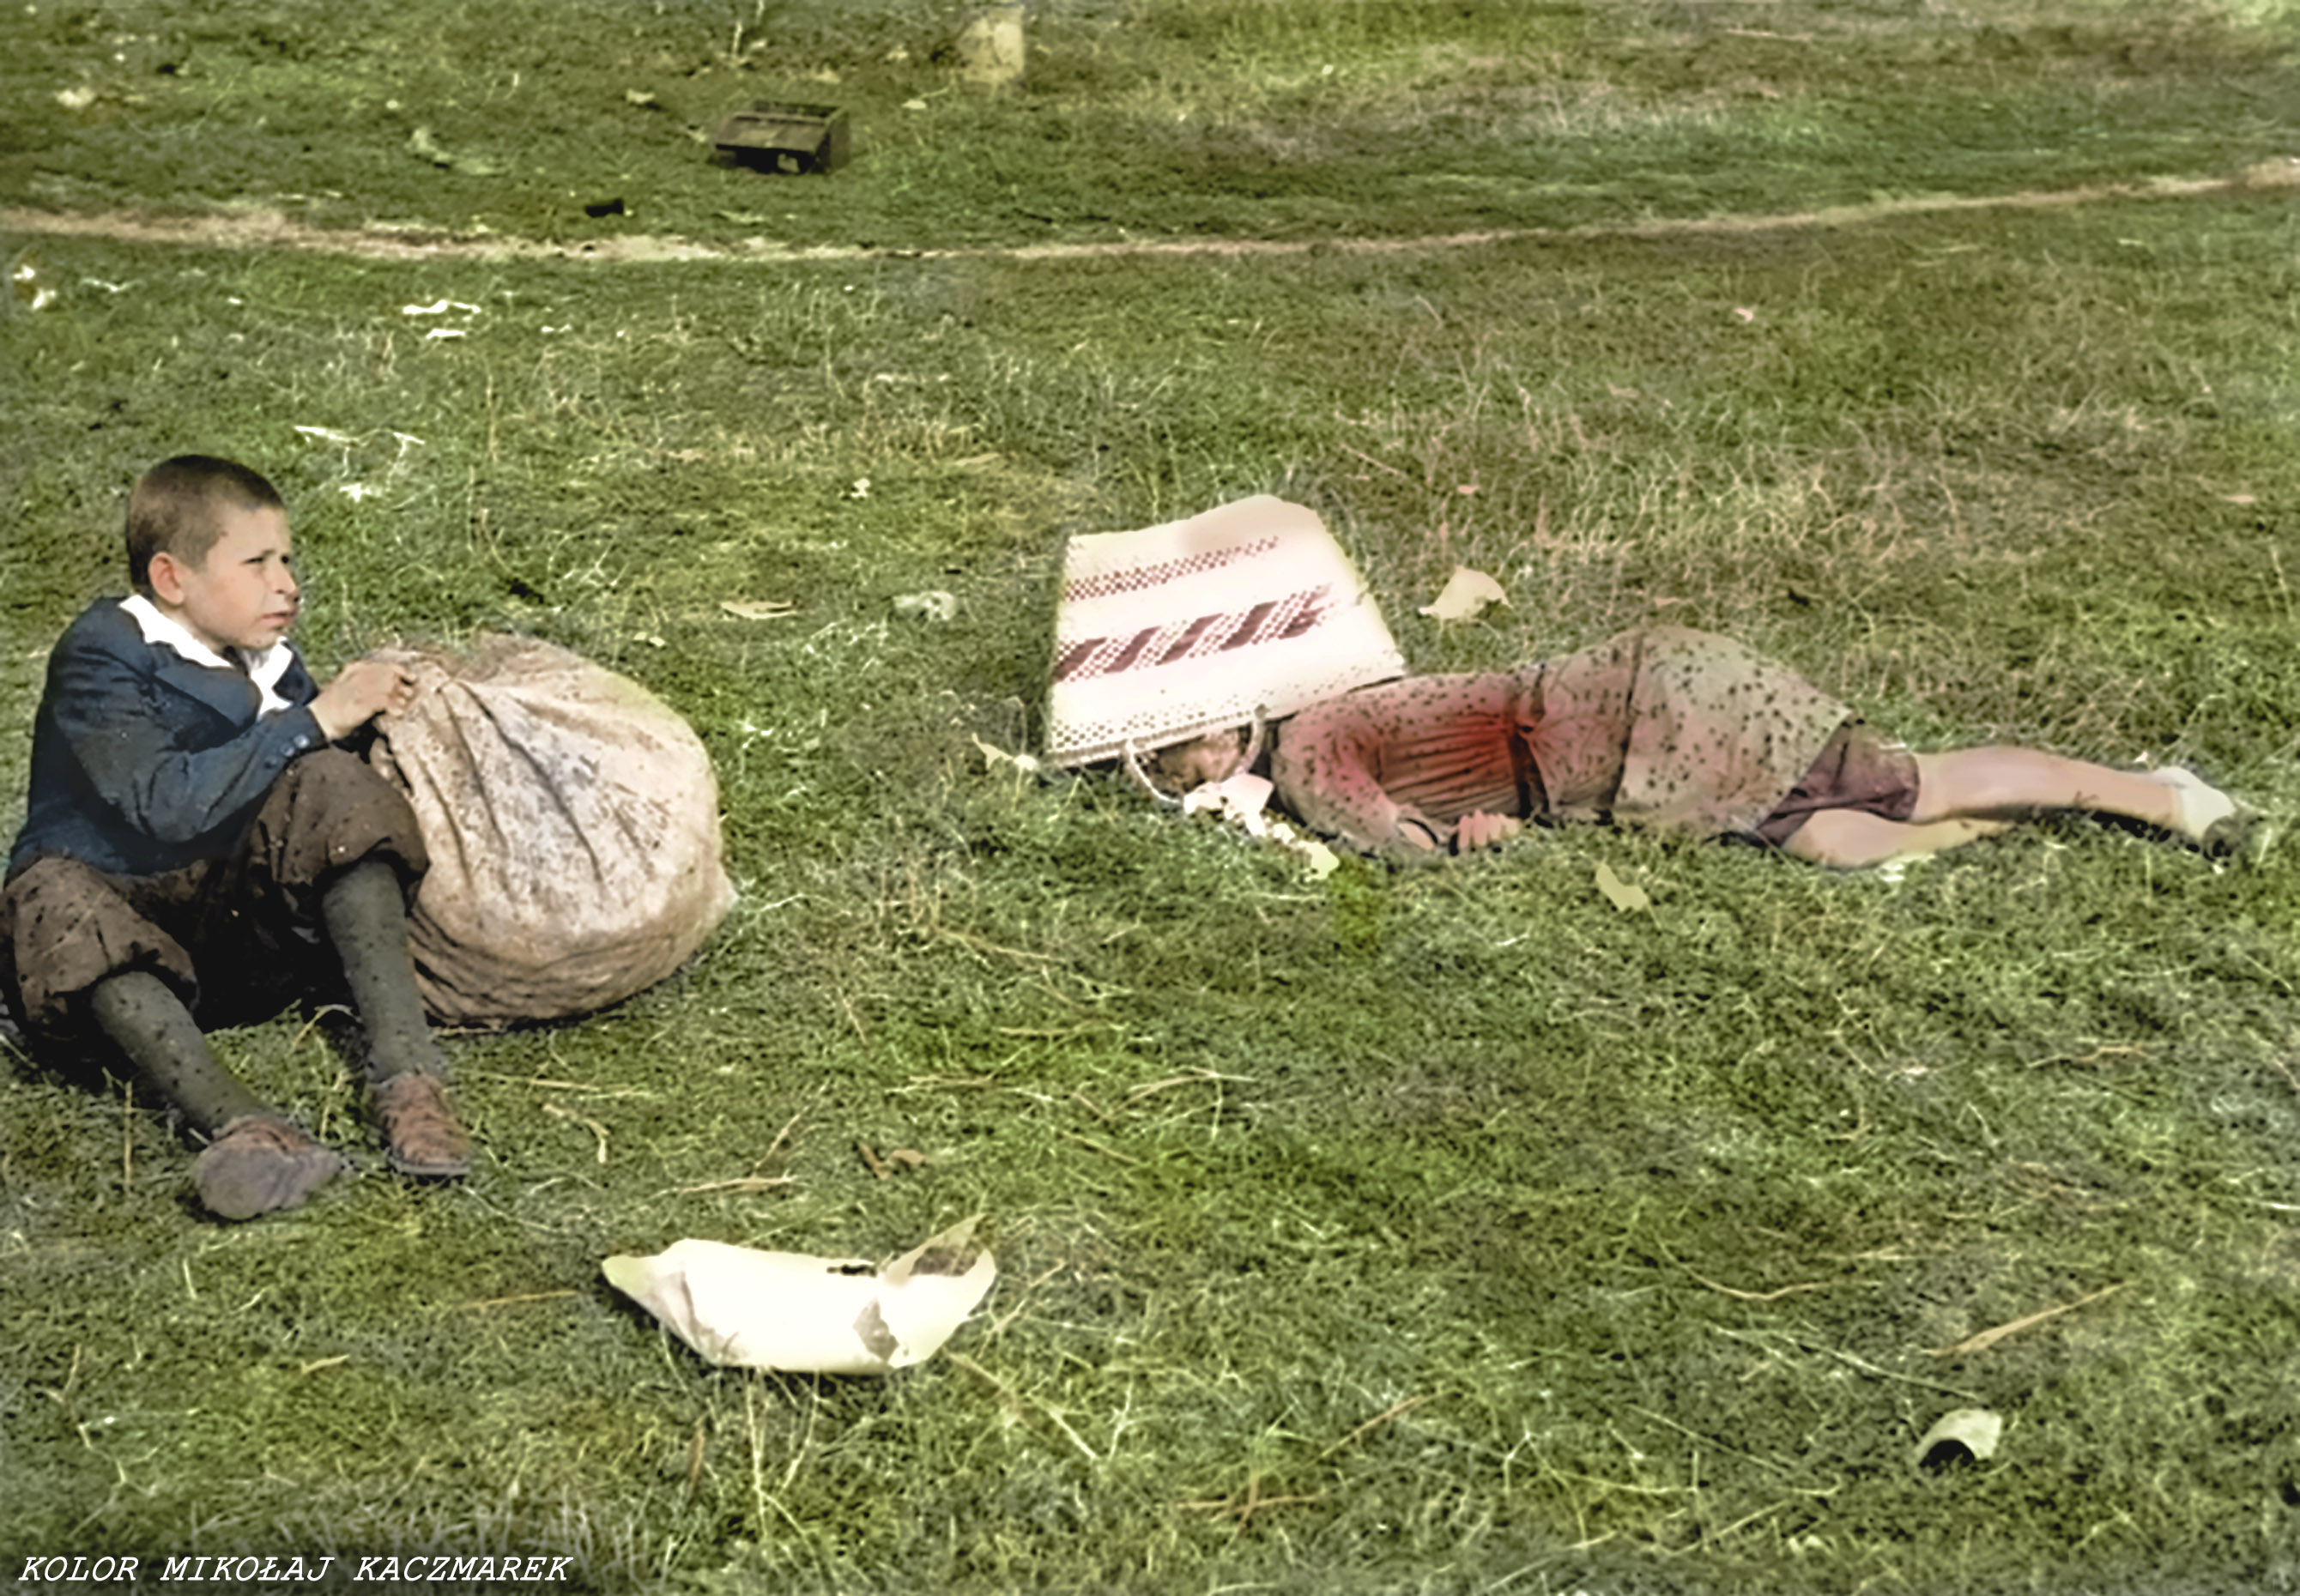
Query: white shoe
[[2203, 814]]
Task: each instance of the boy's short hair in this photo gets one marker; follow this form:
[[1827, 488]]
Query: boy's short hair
[[173, 507]]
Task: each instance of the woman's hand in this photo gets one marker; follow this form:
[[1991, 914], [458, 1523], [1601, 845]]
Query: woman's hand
[[1483, 830]]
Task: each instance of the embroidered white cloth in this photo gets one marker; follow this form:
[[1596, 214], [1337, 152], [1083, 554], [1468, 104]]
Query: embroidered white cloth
[[1170, 632]]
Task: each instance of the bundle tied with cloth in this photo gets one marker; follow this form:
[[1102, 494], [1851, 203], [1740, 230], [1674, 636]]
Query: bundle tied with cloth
[[572, 820], [1244, 614]]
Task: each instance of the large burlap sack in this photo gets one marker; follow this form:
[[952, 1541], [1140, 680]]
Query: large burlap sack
[[572, 820]]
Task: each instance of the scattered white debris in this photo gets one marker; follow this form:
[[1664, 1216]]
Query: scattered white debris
[[1242, 801], [32, 283], [992, 757], [936, 605]]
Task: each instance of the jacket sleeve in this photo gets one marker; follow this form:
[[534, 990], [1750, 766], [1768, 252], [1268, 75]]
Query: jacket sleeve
[[171, 765]]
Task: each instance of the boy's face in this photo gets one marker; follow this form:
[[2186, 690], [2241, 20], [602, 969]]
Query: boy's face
[[243, 594]]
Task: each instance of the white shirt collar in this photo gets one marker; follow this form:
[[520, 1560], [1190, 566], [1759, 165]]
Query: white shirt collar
[[264, 668]]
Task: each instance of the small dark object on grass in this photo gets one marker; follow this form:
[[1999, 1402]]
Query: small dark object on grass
[[778, 138], [602, 208], [1946, 1454]]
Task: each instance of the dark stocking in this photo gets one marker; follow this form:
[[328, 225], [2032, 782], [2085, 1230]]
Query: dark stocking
[[366, 916], [148, 1022]]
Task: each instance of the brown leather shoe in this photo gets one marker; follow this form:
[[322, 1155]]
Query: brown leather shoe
[[421, 1136], [261, 1164]]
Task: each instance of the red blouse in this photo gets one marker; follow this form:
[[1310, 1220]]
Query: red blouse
[[1662, 727]]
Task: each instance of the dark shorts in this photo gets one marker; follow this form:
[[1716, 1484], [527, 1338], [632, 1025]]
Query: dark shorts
[[238, 937], [1859, 767]]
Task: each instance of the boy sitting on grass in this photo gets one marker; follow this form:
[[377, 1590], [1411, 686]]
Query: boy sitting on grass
[[194, 844], [1671, 729]]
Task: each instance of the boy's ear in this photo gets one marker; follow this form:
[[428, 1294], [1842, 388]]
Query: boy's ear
[[165, 573]]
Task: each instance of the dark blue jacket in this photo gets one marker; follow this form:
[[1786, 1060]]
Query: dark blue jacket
[[144, 759]]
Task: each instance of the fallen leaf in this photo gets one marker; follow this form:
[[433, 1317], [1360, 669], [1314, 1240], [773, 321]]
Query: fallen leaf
[[1624, 896], [1466, 593], [1322, 860]]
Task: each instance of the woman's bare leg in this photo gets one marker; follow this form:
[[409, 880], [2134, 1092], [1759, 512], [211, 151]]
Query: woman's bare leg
[[2012, 781], [1972, 792], [1848, 839]]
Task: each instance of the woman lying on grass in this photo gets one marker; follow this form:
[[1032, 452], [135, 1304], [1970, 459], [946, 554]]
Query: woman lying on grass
[[1173, 639], [1671, 729]]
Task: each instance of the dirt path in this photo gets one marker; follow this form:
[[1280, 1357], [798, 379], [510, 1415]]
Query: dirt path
[[272, 229]]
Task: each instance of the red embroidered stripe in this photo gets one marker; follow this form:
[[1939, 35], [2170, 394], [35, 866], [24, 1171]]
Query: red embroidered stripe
[[1112, 583], [1275, 620]]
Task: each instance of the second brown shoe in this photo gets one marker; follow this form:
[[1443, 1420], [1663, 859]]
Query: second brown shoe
[[421, 1135]]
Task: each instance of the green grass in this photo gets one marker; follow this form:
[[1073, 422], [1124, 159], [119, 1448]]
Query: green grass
[[1261, 117], [1440, 1231]]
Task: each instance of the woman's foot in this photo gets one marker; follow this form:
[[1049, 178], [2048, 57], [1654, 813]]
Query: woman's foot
[[2216, 823], [262, 1164]]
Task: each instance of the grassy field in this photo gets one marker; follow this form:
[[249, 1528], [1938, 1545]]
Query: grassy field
[[1439, 1231]]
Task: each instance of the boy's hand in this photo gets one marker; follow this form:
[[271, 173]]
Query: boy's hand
[[1483, 830], [362, 690]]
